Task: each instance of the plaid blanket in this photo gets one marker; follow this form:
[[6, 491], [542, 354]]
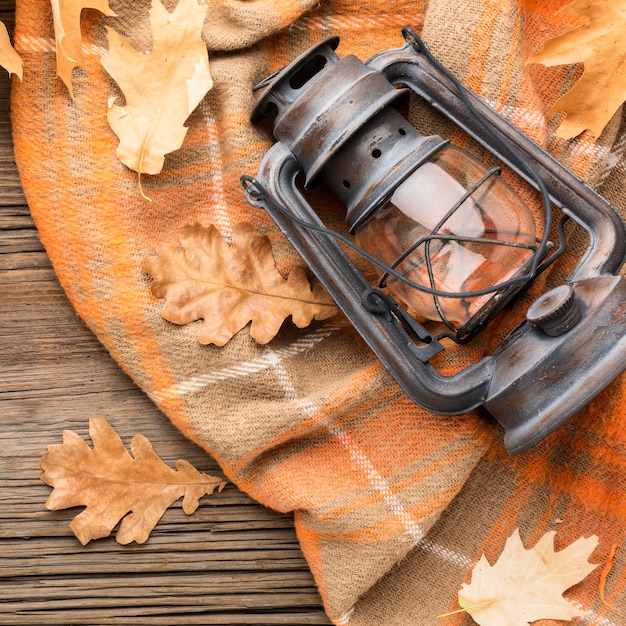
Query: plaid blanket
[[392, 503]]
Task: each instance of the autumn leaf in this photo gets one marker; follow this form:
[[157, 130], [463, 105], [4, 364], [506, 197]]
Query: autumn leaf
[[161, 88], [9, 59], [229, 286], [115, 486], [527, 585], [67, 35], [600, 44]]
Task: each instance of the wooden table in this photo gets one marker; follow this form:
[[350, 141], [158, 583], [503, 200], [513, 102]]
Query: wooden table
[[231, 562]]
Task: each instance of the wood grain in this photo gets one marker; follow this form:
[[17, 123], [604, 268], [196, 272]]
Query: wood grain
[[231, 562]]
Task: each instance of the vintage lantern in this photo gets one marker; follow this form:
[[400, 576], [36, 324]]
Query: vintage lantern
[[451, 240]]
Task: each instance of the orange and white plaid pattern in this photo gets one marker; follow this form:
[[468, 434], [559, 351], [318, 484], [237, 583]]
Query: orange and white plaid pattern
[[392, 503]]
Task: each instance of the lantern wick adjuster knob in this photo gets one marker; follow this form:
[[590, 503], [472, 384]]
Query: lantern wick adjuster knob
[[555, 312]]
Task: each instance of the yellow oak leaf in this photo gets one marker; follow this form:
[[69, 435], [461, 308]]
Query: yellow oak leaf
[[67, 35], [161, 88], [115, 486], [9, 58], [527, 585], [230, 286], [599, 44]]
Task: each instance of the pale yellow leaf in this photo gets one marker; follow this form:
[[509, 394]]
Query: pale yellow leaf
[[230, 286], [67, 35], [161, 88], [527, 585], [9, 59], [115, 486], [600, 44]]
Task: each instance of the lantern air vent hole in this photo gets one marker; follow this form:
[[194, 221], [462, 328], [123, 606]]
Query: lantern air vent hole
[[401, 131], [376, 153], [271, 111], [305, 73]]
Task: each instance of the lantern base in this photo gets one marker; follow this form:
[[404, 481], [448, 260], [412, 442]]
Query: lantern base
[[540, 381]]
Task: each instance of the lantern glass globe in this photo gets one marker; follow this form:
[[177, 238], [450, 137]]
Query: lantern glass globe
[[436, 233]]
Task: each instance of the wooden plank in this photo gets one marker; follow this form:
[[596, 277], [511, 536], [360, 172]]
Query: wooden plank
[[231, 562], [191, 615], [63, 377]]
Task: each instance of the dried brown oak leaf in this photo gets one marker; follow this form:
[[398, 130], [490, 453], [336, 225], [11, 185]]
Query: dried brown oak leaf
[[161, 88], [527, 585], [115, 486], [67, 35], [230, 286], [600, 44], [9, 58]]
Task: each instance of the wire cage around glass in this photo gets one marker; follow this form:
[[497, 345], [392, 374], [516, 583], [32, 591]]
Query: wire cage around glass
[[456, 228]]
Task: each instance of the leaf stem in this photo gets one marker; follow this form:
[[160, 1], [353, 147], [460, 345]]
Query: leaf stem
[[139, 172], [451, 613], [466, 609]]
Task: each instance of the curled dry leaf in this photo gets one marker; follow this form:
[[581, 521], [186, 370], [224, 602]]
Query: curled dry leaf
[[9, 58], [115, 486], [230, 286], [527, 585], [161, 88], [67, 35], [600, 44]]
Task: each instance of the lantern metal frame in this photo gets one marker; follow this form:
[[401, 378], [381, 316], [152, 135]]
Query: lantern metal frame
[[573, 341]]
